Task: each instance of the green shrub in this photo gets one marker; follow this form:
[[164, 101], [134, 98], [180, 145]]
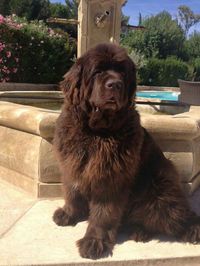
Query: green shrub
[[32, 52], [196, 64], [174, 69], [163, 72], [192, 45], [151, 73]]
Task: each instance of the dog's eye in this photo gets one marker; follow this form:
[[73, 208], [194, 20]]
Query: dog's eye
[[98, 72]]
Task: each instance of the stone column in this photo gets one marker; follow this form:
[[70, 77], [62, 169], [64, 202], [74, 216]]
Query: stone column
[[99, 21]]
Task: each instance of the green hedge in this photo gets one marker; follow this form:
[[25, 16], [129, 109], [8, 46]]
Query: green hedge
[[32, 52], [163, 72], [196, 65]]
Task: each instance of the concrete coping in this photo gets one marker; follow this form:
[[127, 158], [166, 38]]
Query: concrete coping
[[182, 126], [32, 94], [29, 119], [11, 86], [42, 121]]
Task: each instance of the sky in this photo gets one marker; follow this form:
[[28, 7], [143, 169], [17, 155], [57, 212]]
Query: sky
[[152, 7]]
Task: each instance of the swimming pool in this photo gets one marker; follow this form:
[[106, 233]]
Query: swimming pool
[[161, 95]]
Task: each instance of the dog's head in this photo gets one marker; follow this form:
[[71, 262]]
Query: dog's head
[[103, 79]]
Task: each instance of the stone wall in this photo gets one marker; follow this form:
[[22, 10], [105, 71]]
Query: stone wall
[[28, 161]]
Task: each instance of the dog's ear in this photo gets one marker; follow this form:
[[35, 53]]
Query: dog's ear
[[72, 82]]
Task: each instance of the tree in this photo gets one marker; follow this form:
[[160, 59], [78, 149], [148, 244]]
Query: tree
[[193, 46], [4, 7], [31, 9], [40, 9], [124, 21], [162, 37], [58, 10], [187, 18], [72, 6], [140, 20]]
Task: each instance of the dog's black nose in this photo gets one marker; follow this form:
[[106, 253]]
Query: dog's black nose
[[113, 84]]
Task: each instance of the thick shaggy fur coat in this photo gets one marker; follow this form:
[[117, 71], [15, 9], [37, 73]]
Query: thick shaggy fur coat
[[113, 172]]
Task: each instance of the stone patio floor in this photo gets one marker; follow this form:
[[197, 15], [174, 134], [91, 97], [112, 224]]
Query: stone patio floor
[[28, 236]]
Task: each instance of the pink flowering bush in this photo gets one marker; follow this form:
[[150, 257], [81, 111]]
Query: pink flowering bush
[[32, 52], [9, 51], [9, 63], [1, 19]]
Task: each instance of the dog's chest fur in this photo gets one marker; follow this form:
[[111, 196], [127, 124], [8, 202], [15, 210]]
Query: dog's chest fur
[[105, 163], [93, 160]]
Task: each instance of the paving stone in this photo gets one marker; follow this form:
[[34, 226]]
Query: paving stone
[[36, 240], [13, 205]]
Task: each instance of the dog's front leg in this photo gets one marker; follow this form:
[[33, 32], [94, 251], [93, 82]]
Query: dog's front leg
[[75, 208], [101, 233]]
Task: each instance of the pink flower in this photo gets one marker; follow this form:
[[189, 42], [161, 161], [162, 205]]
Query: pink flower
[[14, 70], [8, 54], [1, 19], [2, 46], [16, 59]]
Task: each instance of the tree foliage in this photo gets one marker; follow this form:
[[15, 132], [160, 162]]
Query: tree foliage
[[41, 10], [162, 51], [72, 6], [162, 37], [5, 7], [196, 63], [58, 10], [32, 52], [163, 72], [187, 18], [192, 45], [31, 9]]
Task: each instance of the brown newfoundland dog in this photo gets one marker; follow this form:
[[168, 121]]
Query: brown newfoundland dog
[[113, 172]]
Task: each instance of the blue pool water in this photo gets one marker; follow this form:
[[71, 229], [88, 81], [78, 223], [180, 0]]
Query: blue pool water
[[161, 95]]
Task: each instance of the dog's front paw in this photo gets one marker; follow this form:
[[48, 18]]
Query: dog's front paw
[[61, 218], [93, 248]]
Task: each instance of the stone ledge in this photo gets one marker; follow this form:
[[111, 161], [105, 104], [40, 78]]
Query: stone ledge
[[33, 120], [32, 94], [172, 127], [36, 240], [42, 122], [11, 86], [28, 149]]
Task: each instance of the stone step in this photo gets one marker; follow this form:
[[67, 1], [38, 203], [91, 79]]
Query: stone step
[[28, 236]]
